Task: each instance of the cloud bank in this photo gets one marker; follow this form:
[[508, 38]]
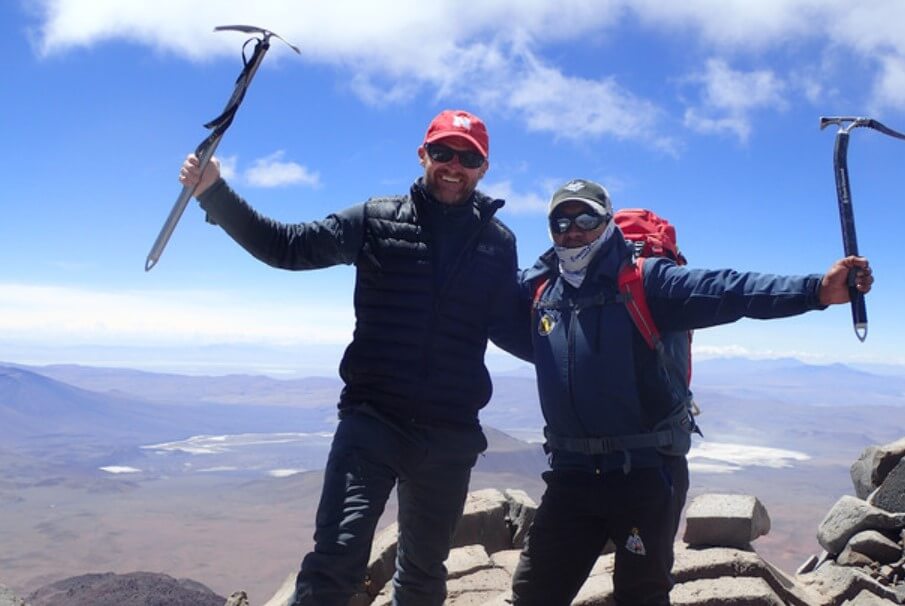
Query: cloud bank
[[388, 52]]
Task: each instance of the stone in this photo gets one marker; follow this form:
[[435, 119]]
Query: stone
[[467, 560], [852, 558], [477, 587], [483, 521], [725, 520], [871, 467], [596, 591], [842, 582], [507, 560], [808, 565], [693, 564], [725, 591], [237, 598], [876, 546], [521, 514], [382, 564], [866, 598], [891, 493], [850, 516]]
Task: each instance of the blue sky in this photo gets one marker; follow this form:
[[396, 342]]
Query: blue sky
[[706, 111]]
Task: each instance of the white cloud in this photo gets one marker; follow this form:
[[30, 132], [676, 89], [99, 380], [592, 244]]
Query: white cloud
[[391, 51], [516, 202], [730, 96], [67, 315], [272, 171], [228, 167], [889, 89]]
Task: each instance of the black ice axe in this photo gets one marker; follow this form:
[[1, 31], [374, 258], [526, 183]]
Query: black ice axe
[[846, 214], [217, 126]]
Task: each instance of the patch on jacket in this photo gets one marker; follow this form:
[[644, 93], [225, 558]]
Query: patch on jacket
[[546, 324]]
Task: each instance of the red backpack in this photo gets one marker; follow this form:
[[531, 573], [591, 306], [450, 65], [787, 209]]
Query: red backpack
[[651, 236]]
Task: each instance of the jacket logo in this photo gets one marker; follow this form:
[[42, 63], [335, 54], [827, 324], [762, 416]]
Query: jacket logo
[[486, 249], [546, 324], [634, 543]]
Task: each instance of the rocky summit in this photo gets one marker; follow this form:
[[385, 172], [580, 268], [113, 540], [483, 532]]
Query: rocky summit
[[862, 562]]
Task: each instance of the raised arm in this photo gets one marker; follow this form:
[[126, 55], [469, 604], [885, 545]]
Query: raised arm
[[682, 298], [337, 239]]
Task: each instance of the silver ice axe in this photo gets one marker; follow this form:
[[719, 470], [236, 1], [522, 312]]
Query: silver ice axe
[[844, 195], [217, 126]]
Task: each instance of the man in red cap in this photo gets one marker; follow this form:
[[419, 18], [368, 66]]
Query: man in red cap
[[435, 277]]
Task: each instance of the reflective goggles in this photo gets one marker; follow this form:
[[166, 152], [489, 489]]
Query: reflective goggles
[[584, 222], [443, 154]]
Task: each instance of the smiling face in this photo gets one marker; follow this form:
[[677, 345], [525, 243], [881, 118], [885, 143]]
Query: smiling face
[[450, 182]]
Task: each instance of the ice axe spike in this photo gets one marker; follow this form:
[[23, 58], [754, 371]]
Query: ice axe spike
[[217, 126], [844, 197]]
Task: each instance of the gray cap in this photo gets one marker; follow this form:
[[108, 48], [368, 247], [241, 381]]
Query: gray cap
[[592, 194]]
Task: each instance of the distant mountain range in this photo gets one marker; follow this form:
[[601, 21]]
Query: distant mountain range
[[61, 425]]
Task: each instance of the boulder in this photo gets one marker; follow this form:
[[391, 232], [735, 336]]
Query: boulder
[[237, 598], [725, 520], [876, 546], [891, 493], [869, 471], [839, 583], [743, 591], [852, 558], [850, 516], [483, 521], [521, 514], [382, 564], [866, 598]]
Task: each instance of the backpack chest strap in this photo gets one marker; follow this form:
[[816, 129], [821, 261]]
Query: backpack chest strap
[[579, 303]]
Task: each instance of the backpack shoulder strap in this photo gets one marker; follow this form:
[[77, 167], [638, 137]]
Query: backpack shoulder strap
[[539, 289], [631, 287]]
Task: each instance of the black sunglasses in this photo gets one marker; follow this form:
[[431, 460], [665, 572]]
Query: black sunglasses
[[443, 154], [584, 221]]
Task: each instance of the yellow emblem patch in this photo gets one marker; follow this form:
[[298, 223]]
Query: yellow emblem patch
[[545, 326]]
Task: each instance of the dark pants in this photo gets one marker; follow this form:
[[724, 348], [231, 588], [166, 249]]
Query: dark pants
[[580, 510], [369, 455]]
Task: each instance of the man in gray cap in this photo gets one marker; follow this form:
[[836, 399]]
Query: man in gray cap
[[617, 422]]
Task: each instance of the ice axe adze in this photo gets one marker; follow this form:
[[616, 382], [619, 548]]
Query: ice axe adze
[[217, 126], [846, 214]]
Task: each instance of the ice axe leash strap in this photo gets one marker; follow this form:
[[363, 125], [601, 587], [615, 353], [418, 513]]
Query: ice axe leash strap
[[844, 196], [217, 126]]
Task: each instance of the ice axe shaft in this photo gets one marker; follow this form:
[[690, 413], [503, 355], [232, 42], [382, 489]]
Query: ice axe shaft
[[844, 197], [205, 150]]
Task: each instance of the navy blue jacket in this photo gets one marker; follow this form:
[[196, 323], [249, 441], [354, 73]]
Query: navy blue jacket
[[596, 375], [433, 283]]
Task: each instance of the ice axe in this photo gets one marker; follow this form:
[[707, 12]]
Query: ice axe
[[844, 196], [217, 126]]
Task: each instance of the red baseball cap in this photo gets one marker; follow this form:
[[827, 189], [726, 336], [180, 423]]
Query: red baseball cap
[[457, 123]]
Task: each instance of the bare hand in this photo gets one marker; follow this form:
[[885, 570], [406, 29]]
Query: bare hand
[[834, 286], [190, 176]]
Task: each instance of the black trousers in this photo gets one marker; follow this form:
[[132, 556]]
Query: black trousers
[[580, 511], [430, 468]]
